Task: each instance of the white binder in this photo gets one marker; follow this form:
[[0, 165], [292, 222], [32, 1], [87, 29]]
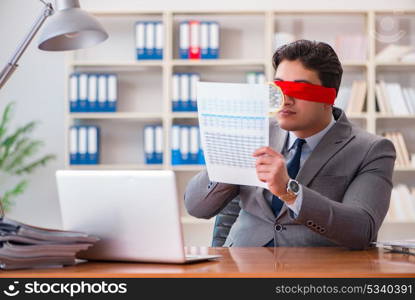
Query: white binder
[[112, 92], [159, 39], [92, 141], [194, 143], [73, 92], [194, 79], [73, 145], [184, 142], [184, 39], [83, 92], [150, 38], [140, 38], [176, 92], [214, 39], [149, 141], [102, 91], [92, 92], [184, 89], [83, 144], [204, 39], [158, 142]]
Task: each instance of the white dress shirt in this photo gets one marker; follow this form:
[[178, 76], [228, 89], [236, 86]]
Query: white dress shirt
[[308, 147]]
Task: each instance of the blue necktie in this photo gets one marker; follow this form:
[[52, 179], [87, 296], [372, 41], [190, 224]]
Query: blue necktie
[[293, 166]]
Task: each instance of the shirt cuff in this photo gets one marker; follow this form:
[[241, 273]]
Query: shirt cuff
[[296, 206]]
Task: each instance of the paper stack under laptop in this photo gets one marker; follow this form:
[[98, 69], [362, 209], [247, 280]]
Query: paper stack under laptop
[[403, 246], [23, 246]]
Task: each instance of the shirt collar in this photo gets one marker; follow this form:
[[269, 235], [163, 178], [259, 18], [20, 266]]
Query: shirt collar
[[311, 141]]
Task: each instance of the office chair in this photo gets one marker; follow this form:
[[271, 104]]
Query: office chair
[[224, 221]]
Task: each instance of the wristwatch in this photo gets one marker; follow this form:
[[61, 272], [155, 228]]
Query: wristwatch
[[293, 189]]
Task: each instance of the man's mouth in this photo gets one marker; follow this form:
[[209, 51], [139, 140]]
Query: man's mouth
[[286, 112]]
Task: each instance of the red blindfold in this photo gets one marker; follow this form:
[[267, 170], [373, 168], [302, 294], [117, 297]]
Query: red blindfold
[[307, 91]]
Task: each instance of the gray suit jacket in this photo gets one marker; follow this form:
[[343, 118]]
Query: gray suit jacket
[[346, 191]]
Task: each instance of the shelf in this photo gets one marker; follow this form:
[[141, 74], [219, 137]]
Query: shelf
[[357, 116], [184, 115], [389, 116], [395, 64], [196, 221], [118, 64], [218, 62], [404, 169], [116, 116], [116, 167], [188, 168]]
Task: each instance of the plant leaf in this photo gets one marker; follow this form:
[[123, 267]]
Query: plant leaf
[[30, 167]]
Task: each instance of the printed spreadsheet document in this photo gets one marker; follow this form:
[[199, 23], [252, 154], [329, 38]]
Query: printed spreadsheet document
[[233, 122]]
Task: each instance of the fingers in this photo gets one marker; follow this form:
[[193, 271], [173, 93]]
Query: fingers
[[266, 150]]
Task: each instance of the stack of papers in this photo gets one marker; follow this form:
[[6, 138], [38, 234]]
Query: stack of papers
[[402, 246], [23, 246]]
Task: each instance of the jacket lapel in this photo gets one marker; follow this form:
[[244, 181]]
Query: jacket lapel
[[332, 142]]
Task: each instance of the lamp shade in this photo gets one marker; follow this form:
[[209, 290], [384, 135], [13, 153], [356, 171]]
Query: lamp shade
[[70, 29]]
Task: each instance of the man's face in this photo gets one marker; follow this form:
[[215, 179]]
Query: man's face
[[297, 114]]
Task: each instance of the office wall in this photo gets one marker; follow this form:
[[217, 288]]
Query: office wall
[[37, 86]]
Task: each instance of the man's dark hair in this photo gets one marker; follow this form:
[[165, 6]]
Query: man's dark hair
[[316, 56]]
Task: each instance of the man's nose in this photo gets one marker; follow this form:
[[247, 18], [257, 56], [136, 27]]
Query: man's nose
[[288, 100]]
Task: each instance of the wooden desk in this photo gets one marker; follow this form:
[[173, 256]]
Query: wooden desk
[[252, 262]]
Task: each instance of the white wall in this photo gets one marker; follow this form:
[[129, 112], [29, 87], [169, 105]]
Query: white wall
[[37, 86]]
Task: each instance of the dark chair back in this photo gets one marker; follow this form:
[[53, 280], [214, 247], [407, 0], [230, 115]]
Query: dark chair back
[[224, 221]]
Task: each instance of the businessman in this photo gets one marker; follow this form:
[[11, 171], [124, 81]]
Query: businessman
[[329, 181]]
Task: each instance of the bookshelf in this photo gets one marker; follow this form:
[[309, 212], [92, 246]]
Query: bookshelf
[[246, 44]]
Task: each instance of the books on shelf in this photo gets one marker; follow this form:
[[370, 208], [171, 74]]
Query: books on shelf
[[255, 77], [186, 147], [394, 99], [402, 205], [184, 91], [93, 92], [199, 39], [351, 47], [149, 37], [153, 144], [84, 145], [23, 246], [352, 99], [403, 158], [396, 53]]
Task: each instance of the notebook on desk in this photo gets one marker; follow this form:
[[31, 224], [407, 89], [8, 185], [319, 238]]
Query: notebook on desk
[[135, 214], [402, 246]]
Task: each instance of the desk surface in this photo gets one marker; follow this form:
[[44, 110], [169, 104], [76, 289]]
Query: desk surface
[[251, 262]]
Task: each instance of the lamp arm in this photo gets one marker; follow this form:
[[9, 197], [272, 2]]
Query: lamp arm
[[9, 68]]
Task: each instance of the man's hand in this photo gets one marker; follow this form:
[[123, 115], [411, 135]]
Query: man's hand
[[271, 168]]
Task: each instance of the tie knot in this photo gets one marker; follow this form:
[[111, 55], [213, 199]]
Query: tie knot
[[299, 143]]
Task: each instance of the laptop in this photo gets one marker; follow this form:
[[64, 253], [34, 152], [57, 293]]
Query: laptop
[[135, 214]]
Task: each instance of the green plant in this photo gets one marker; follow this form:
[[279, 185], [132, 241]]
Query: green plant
[[16, 149]]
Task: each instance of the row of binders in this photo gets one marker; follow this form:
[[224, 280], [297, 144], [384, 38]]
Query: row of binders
[[403, 157], [153, 144], [92, 92], [149, 40], [23, 246], [394, 99], [184, 91], [199, 40], [402, 204], [352, 99], [186, 145], [84, 145]]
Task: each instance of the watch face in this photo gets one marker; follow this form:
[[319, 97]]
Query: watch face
[[294, 186]]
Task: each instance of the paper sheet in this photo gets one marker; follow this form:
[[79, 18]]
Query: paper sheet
[[233, 122]]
